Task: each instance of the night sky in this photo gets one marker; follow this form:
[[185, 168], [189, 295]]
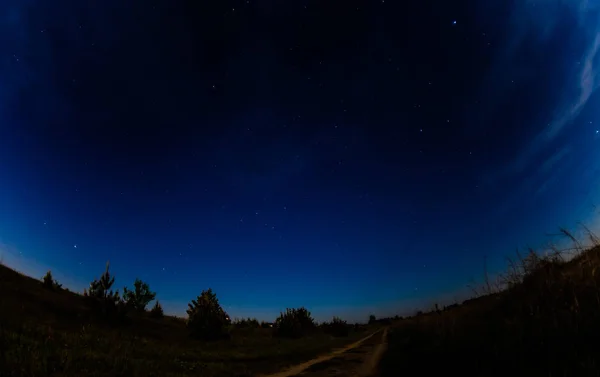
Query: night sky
[[354, 157]]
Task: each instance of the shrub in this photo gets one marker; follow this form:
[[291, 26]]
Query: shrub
[[337, 327], [157, 310], [49, 282], [294, 323], [139, 298], [372, 319], [206, 318], [247, 323]]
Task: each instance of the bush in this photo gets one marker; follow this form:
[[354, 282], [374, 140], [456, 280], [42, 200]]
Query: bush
[[157, 311], [140, 297], [266, 325], [49, 282], [372, 319], [337, 327], [294, 323], [206, 318], [247, 323]]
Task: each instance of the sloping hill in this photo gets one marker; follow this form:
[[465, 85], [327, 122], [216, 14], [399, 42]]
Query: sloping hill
[[546, 324], [45, 332]]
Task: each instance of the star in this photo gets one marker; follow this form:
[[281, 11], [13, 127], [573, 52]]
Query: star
[[454, 22], [75, 246]]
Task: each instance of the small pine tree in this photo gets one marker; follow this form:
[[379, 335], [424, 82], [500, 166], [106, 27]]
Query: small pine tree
[[102, 288], [206, 318], [141, 295], [100, 291], [49, 282], [372, 319], [157, 310]]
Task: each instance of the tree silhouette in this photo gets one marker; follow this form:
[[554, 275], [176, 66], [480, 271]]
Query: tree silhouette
[[140, 297], [102, 295], [49, 282], [294, 323], [157, 310], [206, 318], [101, 288]]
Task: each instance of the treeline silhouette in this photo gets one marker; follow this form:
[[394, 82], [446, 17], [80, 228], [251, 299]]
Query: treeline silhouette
[[207, 320]]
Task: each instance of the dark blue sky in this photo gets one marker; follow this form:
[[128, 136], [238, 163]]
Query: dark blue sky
[[354, 157]]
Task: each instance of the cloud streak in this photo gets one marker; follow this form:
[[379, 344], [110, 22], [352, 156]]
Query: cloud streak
[[527, 21]]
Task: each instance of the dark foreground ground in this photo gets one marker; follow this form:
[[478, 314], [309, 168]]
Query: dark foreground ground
[[547, 324], [53, 333]]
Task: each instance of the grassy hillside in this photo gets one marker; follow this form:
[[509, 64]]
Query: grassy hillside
[[547, 323], [47, 332]]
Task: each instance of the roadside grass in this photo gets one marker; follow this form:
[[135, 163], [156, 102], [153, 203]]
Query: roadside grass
[[541, 318]]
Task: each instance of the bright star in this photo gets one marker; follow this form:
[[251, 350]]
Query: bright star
[[75, 246], [454, 22]]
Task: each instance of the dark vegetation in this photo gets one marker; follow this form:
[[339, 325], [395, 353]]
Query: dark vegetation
[[46, 330], [337, 327], [206, 318], [541, 318], [294, 323], [50, 283], [247, 323], [139, 297], [157, 310]]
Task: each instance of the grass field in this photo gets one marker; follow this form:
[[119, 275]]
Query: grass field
[[547, 323], [54, 333]]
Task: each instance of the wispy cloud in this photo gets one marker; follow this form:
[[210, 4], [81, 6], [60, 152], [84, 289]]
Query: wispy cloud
[[554, 159], [540, 18], [588, 84]]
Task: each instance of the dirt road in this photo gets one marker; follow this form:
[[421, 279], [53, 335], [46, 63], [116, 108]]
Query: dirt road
[[359, 359]]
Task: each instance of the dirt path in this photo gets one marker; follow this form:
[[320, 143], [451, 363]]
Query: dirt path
[[359, 359]]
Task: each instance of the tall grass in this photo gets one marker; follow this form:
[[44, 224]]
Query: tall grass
[[540, 318]]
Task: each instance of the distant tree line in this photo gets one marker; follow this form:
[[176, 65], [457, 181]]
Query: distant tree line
[[206, 320]]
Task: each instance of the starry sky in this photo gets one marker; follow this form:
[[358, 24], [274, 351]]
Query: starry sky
[[353, 157]]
